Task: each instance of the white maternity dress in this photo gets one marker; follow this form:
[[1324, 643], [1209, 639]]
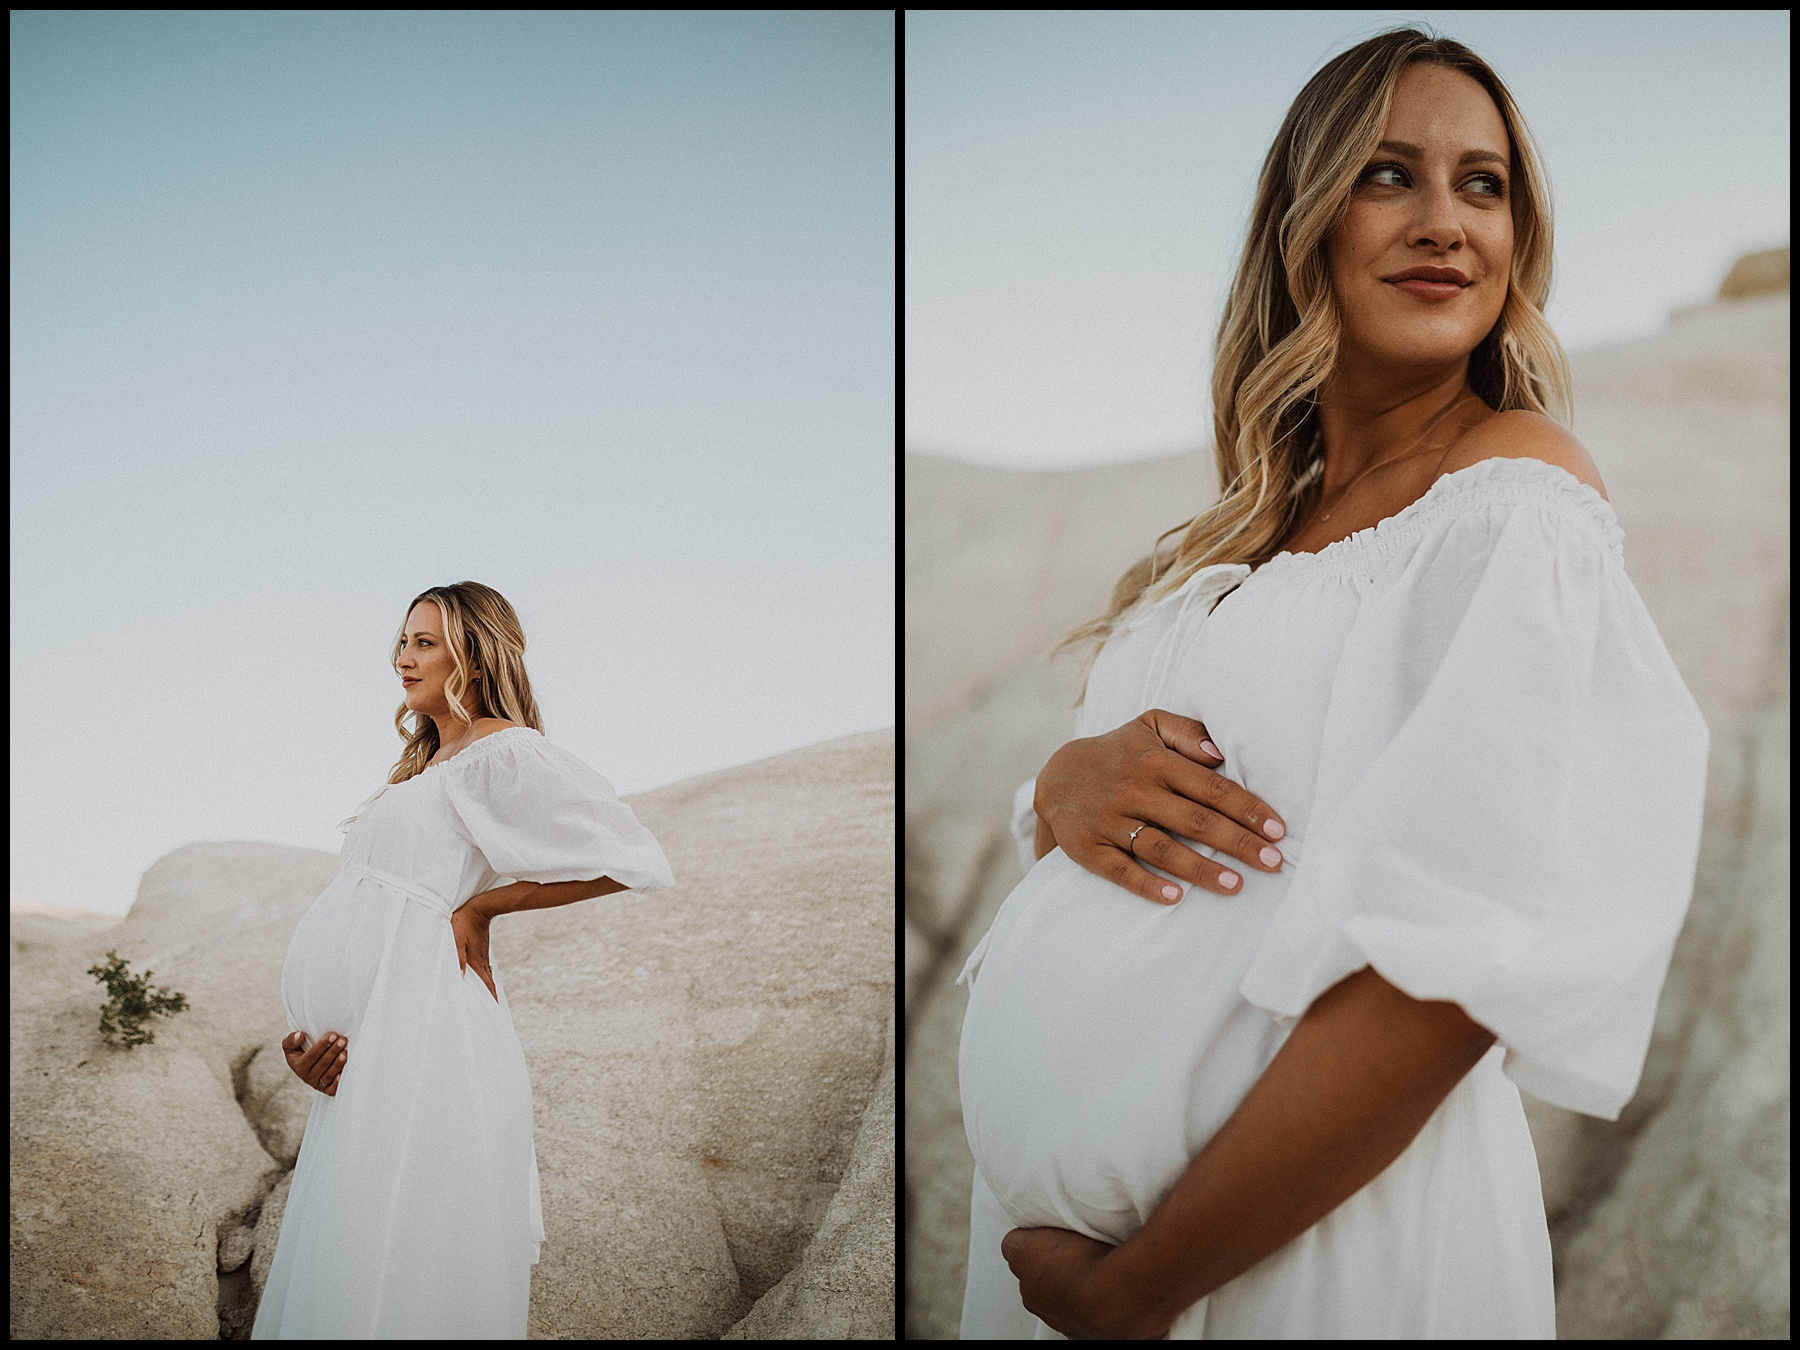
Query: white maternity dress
[[414, 1209], [1491, 776]]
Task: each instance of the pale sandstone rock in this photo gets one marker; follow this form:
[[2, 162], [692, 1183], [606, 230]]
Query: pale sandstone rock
[[702, 1058], [918, 957], [834, 1293], [235, 1247], [1689, 429], [123, 1175], [974, 614], [713, 1086], [275, 1102], [268, 1228], [129, 1165]]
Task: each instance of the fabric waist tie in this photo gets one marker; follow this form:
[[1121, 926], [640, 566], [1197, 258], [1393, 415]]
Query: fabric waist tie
[[436, 903]]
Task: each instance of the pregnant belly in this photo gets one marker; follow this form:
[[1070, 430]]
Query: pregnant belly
[[334, 955], [1105, 1041]]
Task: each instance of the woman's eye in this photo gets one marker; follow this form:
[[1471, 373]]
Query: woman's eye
[[1498, 185]]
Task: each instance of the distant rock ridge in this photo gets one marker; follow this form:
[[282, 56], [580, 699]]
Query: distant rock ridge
[[21, 905], [1763, 273], [1756, 274], [36, 925]]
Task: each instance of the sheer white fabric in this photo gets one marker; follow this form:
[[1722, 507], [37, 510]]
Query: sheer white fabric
[[1492, 777], [415, 1208]]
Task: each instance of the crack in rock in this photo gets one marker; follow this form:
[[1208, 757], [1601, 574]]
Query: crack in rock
[[275, 1105]]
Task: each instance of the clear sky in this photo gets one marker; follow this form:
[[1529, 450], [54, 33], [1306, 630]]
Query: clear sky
[[312, 310], [1078, 183]]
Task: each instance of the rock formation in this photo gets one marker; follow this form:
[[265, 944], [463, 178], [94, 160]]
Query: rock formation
[[36, 926], [1670, 1221], [712, 1069], [1764, 273]]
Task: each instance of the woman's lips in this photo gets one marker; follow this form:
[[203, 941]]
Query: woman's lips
[[409, 683], [1430, 290]]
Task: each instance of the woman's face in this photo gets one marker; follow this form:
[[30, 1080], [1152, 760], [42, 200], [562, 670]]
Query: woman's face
[[1426, 206], [424, 662]]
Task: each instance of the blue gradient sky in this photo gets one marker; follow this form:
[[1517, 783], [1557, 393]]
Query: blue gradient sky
[[313, 310], [1078, 183]]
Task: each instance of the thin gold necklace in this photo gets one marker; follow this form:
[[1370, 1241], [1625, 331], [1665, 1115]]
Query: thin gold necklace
[[1344, 491]]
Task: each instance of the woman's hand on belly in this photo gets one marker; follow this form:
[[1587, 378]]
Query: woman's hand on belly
[[1055, 1269], [1094, 793], [319, 1065]]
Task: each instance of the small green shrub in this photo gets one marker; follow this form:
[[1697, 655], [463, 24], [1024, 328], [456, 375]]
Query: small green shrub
[[132, 1002]]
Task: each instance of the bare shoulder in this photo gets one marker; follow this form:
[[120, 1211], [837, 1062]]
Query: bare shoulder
[[1522, 434]]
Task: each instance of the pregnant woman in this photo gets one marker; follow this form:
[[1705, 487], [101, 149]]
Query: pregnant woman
[[414, 1209], [1242, 1059]]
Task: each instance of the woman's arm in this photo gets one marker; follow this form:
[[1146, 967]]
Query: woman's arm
[[1351, 1087], [471, 921], [518, 895]]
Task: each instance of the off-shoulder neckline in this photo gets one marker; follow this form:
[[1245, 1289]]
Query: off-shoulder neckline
[[467, 749], [471, 749], [375, 796], [1367, 547]]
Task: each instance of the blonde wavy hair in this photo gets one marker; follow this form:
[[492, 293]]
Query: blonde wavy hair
[[481, 632], [1278, 338]]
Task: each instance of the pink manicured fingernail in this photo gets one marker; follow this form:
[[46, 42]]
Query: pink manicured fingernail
[[1270, 858], [1228, 878], [1171, 893], [1211, 749], [1273, 829]]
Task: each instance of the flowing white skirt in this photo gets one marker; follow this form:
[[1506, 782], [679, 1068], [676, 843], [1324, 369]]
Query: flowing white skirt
[[415, 1208]]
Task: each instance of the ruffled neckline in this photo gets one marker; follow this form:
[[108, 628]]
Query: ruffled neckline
[[486, 741], [1500, 478], [374, 796]]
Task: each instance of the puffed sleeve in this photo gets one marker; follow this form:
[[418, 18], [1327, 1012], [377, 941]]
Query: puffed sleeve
[[537, 813], [1509, 796]]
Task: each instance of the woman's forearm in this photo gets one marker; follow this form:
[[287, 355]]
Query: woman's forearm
[[518, 895], [1351, 1087]]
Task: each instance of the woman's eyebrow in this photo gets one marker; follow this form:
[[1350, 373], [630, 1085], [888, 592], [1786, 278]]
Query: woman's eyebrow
[[421, 633], [1468, 156]]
